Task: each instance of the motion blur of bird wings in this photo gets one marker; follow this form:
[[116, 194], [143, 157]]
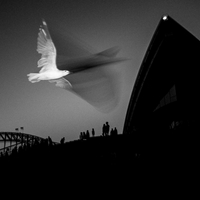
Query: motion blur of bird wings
[[71, 66]]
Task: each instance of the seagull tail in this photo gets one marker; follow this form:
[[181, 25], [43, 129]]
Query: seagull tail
[[33, 77]]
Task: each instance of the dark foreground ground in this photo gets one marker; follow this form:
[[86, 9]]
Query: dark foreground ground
[[133, 158]]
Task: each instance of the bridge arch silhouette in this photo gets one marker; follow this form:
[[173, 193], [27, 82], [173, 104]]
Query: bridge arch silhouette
[[11, 140]]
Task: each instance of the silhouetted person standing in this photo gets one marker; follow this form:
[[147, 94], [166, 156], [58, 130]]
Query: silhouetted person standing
[[62, 141], [93, 132], [87, 134], [107, 128], [81, 136], [50, 142], [115, 131], [104, 130], [111, 132]]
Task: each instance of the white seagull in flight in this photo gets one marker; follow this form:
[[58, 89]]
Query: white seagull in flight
[[49, 69], [86, 75]]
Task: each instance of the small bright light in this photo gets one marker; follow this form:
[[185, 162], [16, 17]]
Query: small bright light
[[165, 18]]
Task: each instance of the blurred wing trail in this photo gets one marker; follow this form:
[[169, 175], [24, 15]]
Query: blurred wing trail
[[88, 75]]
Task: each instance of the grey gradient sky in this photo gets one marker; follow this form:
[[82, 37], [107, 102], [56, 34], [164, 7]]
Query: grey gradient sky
[[45, 110]]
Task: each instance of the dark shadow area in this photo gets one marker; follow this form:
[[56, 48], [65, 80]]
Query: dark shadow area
[[135, 153]]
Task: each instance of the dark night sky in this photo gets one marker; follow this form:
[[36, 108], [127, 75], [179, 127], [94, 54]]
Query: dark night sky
[[45, 110]]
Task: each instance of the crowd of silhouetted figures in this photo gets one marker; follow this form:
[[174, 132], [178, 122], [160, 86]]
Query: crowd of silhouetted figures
[[108, 152], [105, 132], [89, 148], [47, 143]]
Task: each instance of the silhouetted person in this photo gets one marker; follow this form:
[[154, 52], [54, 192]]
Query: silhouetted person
[[50, 142], [93, 132], [115, 131], [87, 134], [112, 132], [107, 128], [81, 136], [84, 135], [62, 141]]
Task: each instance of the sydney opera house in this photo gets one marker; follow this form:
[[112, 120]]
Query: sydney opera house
[[165, 95]]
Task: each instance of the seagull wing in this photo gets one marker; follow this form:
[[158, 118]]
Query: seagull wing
[[45, 46]]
